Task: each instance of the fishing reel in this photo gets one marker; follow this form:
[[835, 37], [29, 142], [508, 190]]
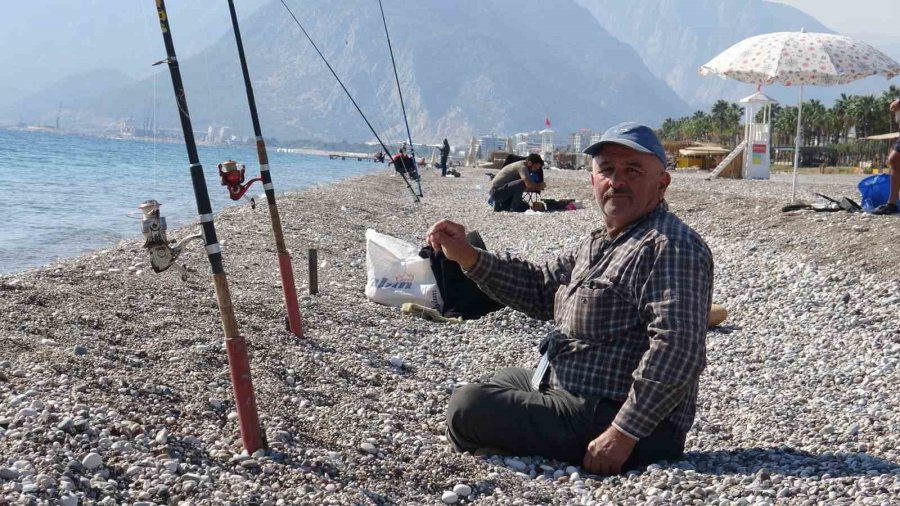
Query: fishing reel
[[163, 252], [233, 178]]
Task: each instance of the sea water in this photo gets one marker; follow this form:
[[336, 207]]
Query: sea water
[[65, 195]]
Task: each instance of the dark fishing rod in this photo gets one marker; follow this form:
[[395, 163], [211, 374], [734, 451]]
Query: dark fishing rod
[[238, 360], [412, 148], [383, 145], [284, 258]]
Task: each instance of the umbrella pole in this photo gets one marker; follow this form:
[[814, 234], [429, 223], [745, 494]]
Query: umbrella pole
[[797, 147]]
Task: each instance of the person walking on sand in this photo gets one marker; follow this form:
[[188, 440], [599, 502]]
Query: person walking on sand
[[616, 385], [445, 153], [891, 207]]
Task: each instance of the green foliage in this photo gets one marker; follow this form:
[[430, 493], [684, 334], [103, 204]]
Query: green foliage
[[863, 114]]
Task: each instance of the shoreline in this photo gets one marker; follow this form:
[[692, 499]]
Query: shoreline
[[126, 357]]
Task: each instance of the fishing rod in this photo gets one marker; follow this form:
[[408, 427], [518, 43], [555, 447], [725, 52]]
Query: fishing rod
[[383, 145], [284, 258], [412, 147], [238, 360]]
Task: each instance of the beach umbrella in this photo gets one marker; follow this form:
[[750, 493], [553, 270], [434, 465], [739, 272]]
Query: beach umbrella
[[800, 59]]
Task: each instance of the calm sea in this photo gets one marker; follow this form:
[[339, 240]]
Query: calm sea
[[64, 195]]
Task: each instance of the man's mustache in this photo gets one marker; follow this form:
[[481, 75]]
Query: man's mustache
[[612, 192]]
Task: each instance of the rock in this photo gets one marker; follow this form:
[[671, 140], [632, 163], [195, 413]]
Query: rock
[[449, 497], [65, 425], [250, 464], [462, 490], [8, 473], [26, 412], [396, 361], [80, 350], [515, 464], [44, 482], [48, 342], [69, 500], [368, 447], [92, 461]]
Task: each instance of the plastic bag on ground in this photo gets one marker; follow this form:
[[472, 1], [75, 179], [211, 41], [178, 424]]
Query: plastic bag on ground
[[396, 274]]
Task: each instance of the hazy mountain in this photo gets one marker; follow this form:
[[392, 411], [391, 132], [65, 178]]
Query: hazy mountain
[[44, 41], [467, 67], [675, 37], [67, 98]]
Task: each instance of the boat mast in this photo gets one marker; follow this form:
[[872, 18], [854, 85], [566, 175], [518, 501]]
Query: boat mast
[[238, 360]]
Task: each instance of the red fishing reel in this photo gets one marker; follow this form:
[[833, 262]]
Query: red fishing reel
[[233, 178]]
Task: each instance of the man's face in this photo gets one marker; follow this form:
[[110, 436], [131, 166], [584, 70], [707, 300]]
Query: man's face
[[627, 184], [533, 167]]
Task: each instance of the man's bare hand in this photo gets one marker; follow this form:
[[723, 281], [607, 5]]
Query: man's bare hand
[[608, 452], [895, 105], [450, 238]]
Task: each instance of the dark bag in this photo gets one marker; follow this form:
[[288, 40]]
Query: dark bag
[[461, 295]]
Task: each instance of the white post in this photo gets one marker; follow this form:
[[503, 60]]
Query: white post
[[797, 147]]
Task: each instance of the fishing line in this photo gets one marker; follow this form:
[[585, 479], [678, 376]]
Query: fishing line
[[383, 145], [412, 148]]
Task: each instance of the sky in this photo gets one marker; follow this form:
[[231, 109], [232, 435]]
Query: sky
[[876, 18]]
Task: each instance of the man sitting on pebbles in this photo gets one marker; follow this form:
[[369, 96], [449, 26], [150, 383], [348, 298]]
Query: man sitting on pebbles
[[616, 387]]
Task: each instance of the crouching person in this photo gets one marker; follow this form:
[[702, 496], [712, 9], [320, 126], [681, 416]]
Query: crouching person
[[616, 385]]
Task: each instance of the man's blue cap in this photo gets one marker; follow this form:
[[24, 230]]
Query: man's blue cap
[[631, 135]]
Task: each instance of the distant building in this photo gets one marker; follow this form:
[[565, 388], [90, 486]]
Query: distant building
[[548, 145], [224, 134], [527, 143], [580, 140], [487, 144]]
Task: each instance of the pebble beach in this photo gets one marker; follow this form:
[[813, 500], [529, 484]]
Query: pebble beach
[[114, 384]]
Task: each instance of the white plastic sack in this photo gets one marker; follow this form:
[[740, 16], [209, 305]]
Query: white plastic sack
[[397, 274]]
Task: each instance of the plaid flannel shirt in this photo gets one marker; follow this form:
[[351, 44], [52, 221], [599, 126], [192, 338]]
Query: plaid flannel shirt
[[631, 316]]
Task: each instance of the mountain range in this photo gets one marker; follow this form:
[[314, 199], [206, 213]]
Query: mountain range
[[466, 67]]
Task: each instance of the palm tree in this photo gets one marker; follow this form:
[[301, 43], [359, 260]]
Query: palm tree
[[840, 110], [813, 118], [864, 109], [718, 115]]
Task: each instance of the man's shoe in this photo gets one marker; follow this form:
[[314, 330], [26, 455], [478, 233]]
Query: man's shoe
[[889, 208]]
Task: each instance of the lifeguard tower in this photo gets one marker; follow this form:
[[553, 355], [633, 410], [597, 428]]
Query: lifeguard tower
[[757, 134], [750, 159]]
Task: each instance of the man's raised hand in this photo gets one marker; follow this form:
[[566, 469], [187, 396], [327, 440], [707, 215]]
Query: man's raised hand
[[450, 238]]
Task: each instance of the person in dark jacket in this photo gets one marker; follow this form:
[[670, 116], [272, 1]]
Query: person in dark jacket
[[445, 152]]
